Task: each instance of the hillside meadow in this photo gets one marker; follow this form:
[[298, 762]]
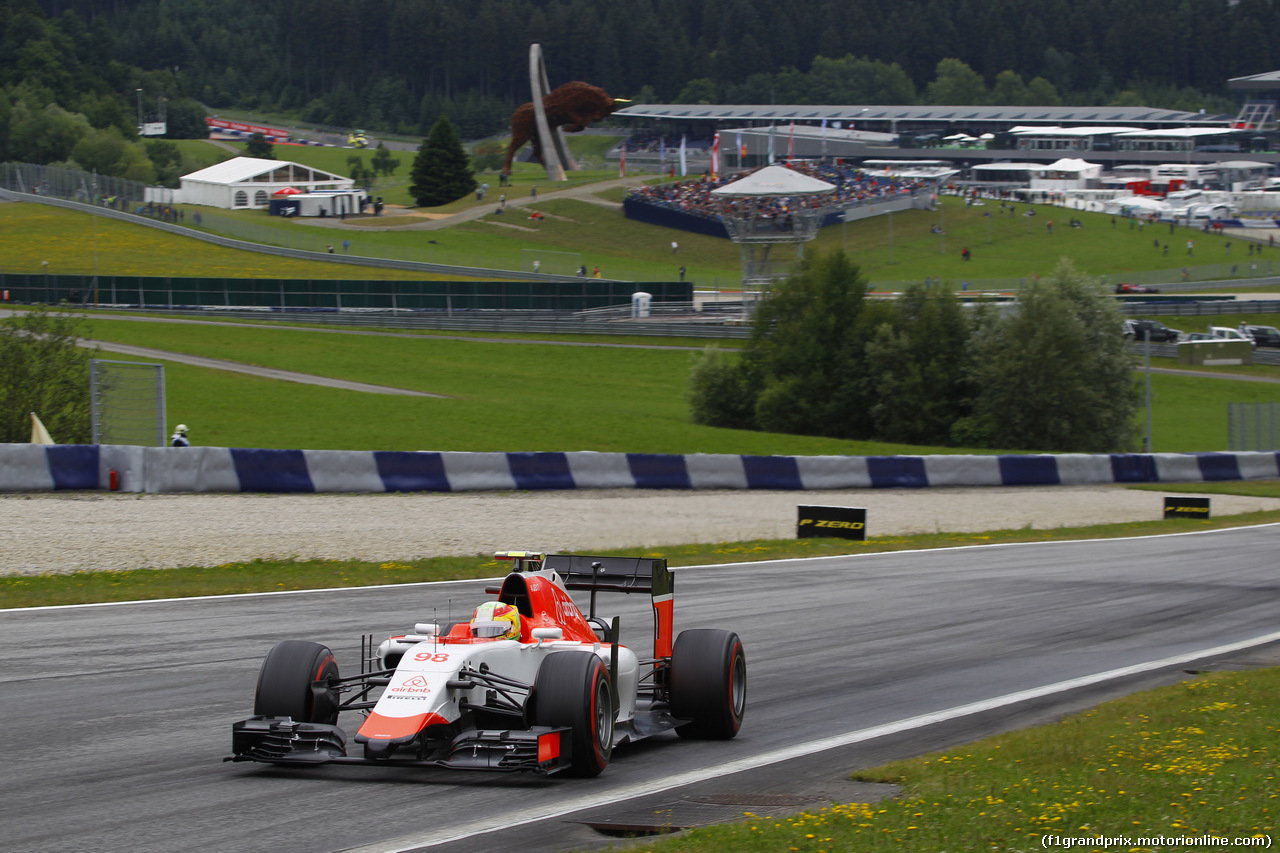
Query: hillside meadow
[[504, 396], [521, 396], [1003, 243]]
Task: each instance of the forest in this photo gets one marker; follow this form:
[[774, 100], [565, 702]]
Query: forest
[[397, 65]]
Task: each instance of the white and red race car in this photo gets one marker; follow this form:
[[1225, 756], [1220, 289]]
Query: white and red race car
[[530, 683]]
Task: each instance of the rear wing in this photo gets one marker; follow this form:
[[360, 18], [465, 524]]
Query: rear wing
[[612, 574]]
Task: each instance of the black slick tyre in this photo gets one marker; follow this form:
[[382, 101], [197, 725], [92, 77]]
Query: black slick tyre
[[572, 690], [285, 683], [708, 683]]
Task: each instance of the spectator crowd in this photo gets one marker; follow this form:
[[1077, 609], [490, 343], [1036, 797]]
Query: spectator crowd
[[853, 187]]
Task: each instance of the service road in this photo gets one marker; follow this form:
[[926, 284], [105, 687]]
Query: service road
[[117, 716]]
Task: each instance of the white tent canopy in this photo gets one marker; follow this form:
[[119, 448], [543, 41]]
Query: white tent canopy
[[775, 181], [1068, 164], [249, 182]]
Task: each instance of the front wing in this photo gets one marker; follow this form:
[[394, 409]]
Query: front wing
[[280, 740]]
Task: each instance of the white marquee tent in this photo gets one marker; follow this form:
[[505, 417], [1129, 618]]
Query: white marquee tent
[[1066, 174], [247, 182], [774, 181]]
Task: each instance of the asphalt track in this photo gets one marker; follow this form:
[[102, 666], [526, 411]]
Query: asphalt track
[[117, 716]]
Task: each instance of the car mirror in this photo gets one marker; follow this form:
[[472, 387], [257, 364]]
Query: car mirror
[[548, 634], [429, 629]]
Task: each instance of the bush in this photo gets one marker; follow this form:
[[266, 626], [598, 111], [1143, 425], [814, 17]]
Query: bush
[[42, 370], [1054, 374], [718, 391]]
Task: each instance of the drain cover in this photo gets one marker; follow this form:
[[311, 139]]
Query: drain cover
[[756, 800]]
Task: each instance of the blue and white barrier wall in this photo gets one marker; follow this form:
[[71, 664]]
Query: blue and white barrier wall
[[30, 467]]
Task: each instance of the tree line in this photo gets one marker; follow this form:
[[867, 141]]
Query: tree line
[[1052, 374], [74, 72], [399, 64]]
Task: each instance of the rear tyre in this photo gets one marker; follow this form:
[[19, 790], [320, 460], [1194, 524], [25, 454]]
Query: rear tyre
[[708, 683], [285, 683], [572, 689]]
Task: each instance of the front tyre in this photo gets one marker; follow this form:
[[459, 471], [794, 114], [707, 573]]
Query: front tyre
[[708, 683], [572, 690], [287, 683]]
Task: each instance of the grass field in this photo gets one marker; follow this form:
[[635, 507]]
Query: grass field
[[501, 395], [511, 396], [890, 249], [83, 244]]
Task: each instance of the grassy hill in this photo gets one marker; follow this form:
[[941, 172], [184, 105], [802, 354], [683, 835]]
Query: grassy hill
[[892, 249], [527, 396], [533, 397]]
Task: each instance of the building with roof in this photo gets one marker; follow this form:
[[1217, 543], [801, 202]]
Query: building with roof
[[1260, 95], [970, 134], [249, 182], [898, 119]]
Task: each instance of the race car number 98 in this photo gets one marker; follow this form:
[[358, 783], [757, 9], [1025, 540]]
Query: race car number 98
[[434, 657]]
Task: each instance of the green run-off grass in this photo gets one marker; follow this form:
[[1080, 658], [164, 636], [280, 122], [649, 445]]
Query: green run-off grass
[[1193, 759], [529, 397]]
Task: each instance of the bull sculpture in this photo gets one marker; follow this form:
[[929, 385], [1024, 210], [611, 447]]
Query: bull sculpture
[[572, 107]]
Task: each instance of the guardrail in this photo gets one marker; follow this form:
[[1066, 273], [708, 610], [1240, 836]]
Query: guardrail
[[34, 467], [510, 322], [1201, 309], [1260, 356]]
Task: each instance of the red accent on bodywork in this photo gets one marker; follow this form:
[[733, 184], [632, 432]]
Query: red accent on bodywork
[[548, 747], [383, 727], [664, 620], [552, 607]]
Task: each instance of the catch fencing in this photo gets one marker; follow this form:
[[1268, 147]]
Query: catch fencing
[[127, 402], [1253, 426], [449, 298], [84, 187]]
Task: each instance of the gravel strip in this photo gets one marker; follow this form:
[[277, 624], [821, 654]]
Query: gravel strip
[[52, 532]]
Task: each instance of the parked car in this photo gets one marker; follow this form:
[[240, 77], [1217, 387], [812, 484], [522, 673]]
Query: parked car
[[1263, 336], [1201, 336], [1230, 334], [1159, 332]]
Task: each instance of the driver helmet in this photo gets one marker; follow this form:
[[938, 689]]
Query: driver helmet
[[181, 429], [495, 619]]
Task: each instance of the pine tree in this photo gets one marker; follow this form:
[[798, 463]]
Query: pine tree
[[441, 172], [259, 146]]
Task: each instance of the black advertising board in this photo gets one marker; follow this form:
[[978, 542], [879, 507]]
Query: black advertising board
[[1179, 507], [840, 522]]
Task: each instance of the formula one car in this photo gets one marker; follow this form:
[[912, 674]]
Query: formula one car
[[529, 683]]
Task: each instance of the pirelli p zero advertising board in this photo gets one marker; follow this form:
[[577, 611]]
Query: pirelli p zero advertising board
[[1179, 507], [840, 522]]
